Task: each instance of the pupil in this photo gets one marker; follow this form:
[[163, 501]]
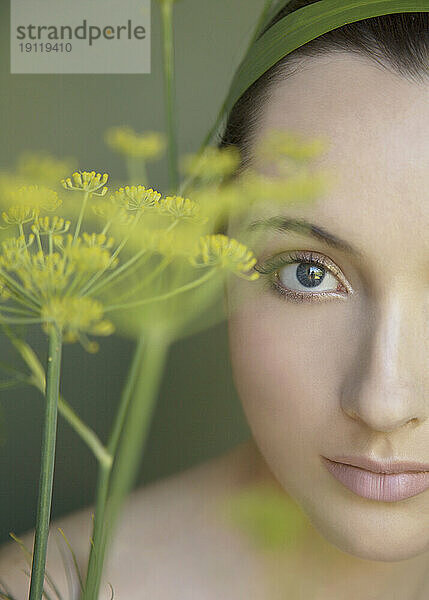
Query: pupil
[[310, 275]]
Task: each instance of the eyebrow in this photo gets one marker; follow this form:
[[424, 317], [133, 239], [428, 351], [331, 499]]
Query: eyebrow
[[304, 227]]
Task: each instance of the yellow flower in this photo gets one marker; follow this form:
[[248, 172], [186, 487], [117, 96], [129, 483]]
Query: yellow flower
[[47, 274], [14, 252], [76, 316], [167, 243], [111, 211], [29, 199], [89, 260], [42, 167], [99, 240], [224, 252], [212, 163], [137, 198], [18, 215], [278, 145], [50, 225], [300, 186], [88, 181], [180, 208], [270, 519], [148, 145], [89, 253], [222, 201]]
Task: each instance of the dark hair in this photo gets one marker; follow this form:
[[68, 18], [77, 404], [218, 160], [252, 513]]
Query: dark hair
[[398, 41]]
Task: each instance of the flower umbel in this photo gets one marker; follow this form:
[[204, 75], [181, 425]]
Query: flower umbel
[[41, 167], [212, 163], [180, 208], [50, 225], [228, 253], [76, 316], [278, 145], [88, 181], [148, 145], [18, 215], [137, 198], [30, 198], [44, 270]]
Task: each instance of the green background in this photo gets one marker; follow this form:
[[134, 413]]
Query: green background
[[198, 414]]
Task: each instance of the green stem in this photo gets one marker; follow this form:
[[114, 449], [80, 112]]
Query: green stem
[[113, 275], [94, 286], [89, 285], [80, 219], [17, 311], [85, 433], [95, 563], [147, 379], [120, 273], [47, 465], [38, 380], [138, 419], [18, 289], [168, 56], [20, 320], [183, 288]]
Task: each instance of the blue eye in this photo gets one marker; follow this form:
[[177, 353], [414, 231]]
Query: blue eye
[[305, 276], [310, 275]]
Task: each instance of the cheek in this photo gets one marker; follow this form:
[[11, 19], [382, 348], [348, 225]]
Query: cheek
[[289, 362]]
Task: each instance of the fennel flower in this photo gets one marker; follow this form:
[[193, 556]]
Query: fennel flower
[[224, 252], [148, 145]]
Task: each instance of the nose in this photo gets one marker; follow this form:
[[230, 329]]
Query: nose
[[389, 388]]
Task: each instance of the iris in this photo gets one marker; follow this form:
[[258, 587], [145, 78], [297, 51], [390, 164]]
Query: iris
[[310, 275]]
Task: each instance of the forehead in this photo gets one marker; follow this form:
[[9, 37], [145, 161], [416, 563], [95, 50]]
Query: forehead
[[377, 124]]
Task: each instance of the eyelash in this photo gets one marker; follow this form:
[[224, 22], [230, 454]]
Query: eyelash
[[272, 265]]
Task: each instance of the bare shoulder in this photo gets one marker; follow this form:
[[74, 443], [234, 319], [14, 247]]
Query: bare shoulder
[[171, 542]]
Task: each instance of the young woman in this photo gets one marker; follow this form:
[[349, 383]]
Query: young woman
[[328, 348]]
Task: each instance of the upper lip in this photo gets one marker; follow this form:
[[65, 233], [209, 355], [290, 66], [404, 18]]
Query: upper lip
[[387, 465]]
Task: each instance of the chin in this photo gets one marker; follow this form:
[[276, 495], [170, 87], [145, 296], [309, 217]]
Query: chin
[[376, 531]]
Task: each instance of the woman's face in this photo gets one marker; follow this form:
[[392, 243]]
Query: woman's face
[[345, 373]]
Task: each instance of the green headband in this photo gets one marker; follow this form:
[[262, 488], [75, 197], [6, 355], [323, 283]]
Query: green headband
[[295, 30]]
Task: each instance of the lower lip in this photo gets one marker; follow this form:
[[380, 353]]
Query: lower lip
[[379, 486]]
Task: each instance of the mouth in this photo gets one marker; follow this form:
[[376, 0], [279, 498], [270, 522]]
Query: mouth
[[389, 483]]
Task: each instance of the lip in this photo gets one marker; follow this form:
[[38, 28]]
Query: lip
[[388, 465], [385, 481]]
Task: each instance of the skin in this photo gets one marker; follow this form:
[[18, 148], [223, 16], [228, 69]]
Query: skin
[[347, 375]]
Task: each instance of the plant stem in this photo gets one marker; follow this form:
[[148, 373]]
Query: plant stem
[[95, 563], [145, 280], [168, 56], [38, 380], [86, 434], [47, 465], [80, 219], [20, 291], [135, 432]]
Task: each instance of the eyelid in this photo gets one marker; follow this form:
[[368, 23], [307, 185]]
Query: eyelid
[[275, 262]]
